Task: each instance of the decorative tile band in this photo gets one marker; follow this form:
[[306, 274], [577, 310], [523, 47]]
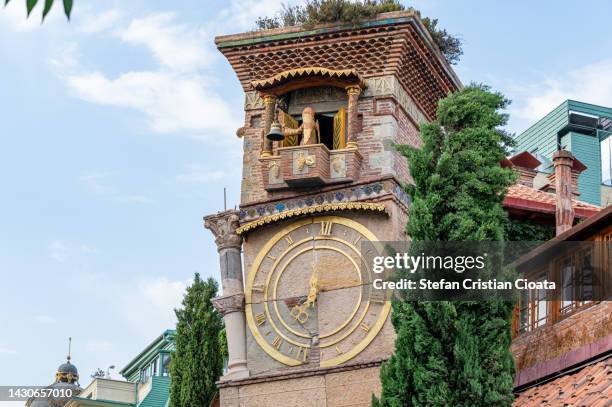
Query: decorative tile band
[[366, 192], [370, 206]]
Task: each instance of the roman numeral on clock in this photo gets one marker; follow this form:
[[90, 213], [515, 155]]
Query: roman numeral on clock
[[302, 354], [277, 342], [289, 240], [258, 288], [364, 327], [326, 228], [377, 296], [260, 319]]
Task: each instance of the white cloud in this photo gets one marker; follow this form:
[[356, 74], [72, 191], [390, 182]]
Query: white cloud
[[151, 303], [45, 319], [195, 173], [175, 96], [58, 250], [162, 293], [241, 15], [174, 45], [174, 103], [93, 22], [140, 304], [591, 83]]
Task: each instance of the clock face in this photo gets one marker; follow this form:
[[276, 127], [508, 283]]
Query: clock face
[[308, 296]]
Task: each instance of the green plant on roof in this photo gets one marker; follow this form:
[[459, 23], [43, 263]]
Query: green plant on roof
[[315, 12]]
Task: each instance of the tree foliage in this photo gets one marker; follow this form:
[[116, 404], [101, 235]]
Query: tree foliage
[[528, 231], [197, 362], [455, 353], [315, 12], [98, 373], [30, 4]]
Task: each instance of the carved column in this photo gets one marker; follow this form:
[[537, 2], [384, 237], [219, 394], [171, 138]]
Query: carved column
[[353, 93], [269, 106], [231, 305], [563, 161]]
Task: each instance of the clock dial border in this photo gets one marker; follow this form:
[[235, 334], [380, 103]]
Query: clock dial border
[[264, 251]]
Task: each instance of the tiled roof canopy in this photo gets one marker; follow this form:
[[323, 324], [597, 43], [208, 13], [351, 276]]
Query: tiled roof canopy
[[526, 198], [391, 44], [590, 386]]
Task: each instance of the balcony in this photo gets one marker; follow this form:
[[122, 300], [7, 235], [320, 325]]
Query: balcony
[[310, 166]]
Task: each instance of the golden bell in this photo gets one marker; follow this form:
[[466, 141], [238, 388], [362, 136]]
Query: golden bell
[[275, 133]]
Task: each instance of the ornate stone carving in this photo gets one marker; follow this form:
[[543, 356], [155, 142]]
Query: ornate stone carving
[[390, 86], [275, 175], [338, 166], [223, 225], [302, 161], [229, 303], [252, 101]]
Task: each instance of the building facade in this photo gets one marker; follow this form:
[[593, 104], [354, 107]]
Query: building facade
[[563, 340], [66, 385], [583, 129], [147, 380], [323, 109]]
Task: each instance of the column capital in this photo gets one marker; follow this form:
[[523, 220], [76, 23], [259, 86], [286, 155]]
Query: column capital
[[228, 303], [223, 225], [268, 99], [353, 90]]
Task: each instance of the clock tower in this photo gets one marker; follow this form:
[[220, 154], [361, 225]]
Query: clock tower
[[324, 107]]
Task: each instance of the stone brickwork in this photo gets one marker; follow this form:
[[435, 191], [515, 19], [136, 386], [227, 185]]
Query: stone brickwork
[[345, 387]]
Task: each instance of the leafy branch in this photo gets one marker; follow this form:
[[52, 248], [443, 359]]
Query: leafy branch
[[30, 4]]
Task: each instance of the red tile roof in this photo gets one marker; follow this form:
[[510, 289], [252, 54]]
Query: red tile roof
[[590, 386], [530, 199]]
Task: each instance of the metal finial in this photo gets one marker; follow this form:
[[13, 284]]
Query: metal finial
[[69, 346]]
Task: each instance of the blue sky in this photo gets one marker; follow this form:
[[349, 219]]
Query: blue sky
[[118, 135]]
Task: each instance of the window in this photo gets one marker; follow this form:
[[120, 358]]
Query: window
[[165, 369], [606, 161], [144, 375], [577, 280], [150, 370], [533, 308], [154, 367]]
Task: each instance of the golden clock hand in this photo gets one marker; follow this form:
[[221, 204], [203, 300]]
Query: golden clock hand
[[314, 287], [299, 311]]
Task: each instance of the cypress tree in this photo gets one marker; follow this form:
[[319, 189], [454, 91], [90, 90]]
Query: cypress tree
[[197, 362], [455, 353]]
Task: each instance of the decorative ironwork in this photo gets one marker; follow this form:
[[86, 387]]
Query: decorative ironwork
[[341, 206]]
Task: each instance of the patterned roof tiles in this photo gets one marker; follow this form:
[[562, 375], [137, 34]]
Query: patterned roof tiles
[[523, 197], [590, 386]]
